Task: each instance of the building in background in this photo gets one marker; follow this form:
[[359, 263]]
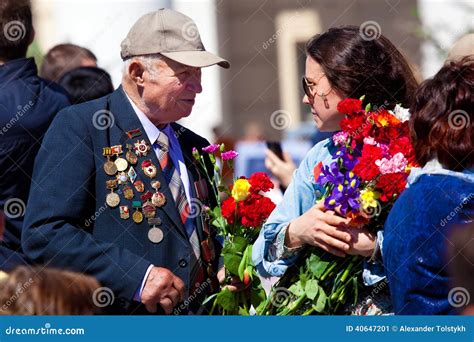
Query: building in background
[[264, 41]]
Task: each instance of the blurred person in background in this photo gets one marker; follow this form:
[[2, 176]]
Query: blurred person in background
[[86, 83], [439, 195], [28, 104], [48, 291], [63, 58]]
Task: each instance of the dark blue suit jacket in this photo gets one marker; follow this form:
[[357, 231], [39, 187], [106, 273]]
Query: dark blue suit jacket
[[415, 242], [28, 104], [69, 191]]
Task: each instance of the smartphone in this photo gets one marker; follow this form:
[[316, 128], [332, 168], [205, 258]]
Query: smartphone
[[275, 147]]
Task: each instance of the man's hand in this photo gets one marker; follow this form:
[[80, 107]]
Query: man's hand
[[164, 288]]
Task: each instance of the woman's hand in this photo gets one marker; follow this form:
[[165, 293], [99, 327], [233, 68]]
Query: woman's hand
[[320, 228], [235, 284], [282, 169], [362, 242]]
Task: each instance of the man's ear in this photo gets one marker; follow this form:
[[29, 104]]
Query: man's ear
[[136, 70]]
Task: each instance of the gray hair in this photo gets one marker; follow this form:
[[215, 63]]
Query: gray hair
[[149, 61]]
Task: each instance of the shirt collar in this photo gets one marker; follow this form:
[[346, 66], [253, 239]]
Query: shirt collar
[[151, 130]]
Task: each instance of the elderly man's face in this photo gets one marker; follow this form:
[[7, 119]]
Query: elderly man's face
[[170, 93]]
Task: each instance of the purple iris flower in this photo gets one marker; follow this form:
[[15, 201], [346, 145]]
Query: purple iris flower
[[331, 174]]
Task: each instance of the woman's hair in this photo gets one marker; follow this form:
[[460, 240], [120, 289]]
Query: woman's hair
[[441, 123], [38, 291], [356, 65]]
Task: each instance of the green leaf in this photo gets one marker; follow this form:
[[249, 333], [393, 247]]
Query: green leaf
[[311, 288], [297, 289], [321, 302], [240, 243], [227, 300], [243, 265], [257, 297], [317, 266], [232, 262], [368, 107], [219, 222]]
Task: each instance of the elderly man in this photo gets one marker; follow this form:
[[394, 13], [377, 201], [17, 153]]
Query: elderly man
[[115, 179]]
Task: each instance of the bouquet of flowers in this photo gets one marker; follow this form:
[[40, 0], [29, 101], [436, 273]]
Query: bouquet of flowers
[[238, 220], [368, 172]]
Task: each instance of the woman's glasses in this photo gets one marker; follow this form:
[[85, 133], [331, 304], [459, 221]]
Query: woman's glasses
[[307, 88]]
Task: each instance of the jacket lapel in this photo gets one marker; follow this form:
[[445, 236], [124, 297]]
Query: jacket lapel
[[127, 121]]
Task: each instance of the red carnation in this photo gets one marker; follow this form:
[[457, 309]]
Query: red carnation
[[349, 106], [259, 181], [356, 126], [392, 185], [255, 210], [366, 168], [228, 210]]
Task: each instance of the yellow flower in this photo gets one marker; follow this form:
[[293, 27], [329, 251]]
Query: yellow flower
[[240, 190], [368, 198]]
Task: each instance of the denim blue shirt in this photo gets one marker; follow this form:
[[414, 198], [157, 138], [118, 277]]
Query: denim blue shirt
[[300, 196]]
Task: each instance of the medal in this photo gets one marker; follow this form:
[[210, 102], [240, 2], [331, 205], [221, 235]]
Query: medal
[[132, 174], [155, 235], [120, 163], [128, 192], [149, 210], [122, 178], [141, 148], [137, 215], [158, 199], [148, 168], [134, 133], [155, 185], [139, 186], [112, 199], [109, 167], [124, 212], [130, 155]]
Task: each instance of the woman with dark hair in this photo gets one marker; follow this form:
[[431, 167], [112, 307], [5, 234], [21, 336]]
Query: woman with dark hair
[[440, 194], [341, 63]]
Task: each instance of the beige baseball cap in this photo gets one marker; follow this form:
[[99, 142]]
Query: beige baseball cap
[[172, 34]]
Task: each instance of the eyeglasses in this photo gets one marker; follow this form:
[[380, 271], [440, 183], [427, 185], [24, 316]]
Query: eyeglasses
[[307, 85], [308, 91]]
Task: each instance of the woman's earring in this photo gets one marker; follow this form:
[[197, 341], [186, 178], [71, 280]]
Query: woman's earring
[[325, 99]]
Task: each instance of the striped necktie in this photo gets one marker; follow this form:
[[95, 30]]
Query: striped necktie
[[176, 186]]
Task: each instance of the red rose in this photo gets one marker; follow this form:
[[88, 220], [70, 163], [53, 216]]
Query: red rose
[[259, 181], [391, 185], [349, 106]]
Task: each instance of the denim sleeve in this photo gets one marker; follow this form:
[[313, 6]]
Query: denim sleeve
[[373, 270], [298, 198]]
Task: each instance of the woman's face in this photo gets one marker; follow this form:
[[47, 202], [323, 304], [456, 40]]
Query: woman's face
[[327, 119]]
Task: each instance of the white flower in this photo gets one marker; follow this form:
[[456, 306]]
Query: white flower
[[401, 113]]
